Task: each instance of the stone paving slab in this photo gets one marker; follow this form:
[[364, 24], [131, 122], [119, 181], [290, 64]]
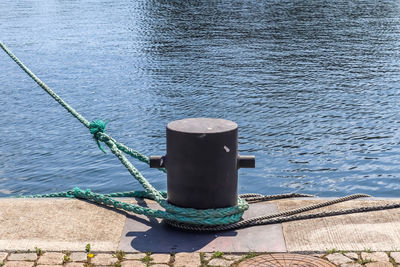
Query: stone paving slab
[[58, 224], [51, 258], [134, 256], [133, 264], [160, 258], [143, 234], [375, 256], [18, 264], [379, 264], [377, 230], [78, 256], [69, 224], [394, 255], [104, 259], [74, 264], [22, 257], [3, 256], [187, 259]]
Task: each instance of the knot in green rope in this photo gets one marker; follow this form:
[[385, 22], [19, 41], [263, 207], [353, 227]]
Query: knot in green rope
[[95, 127]]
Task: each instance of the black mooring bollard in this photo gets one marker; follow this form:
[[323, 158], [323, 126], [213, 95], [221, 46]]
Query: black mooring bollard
[[202, 163]]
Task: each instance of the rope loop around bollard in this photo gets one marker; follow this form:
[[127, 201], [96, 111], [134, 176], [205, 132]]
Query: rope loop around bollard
[[184, 218]]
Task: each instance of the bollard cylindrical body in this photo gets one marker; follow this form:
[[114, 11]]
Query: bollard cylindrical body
[[202, 163]]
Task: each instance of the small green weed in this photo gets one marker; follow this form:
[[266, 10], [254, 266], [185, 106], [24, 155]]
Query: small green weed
[[147, 258], [249, 255], [217, 254], [202, 259], [393, 262], [66, 259], [39, 251], [202, 254], [331, 251], [89, 258], [362, 262], [119, 254], [87, 248], [117, 264]]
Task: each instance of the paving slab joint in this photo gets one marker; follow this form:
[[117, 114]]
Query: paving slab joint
[[172, 259], [3, 257]]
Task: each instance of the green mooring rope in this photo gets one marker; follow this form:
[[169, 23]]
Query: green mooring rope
[[184, 218], [173, 213]]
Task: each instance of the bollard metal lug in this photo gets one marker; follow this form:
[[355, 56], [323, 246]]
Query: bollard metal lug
[[246, 161], [157, 161]]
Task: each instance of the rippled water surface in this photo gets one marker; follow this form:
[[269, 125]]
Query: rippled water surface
[[313, 85]]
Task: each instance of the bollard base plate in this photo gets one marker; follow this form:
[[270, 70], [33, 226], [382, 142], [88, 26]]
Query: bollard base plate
[[143, 234]]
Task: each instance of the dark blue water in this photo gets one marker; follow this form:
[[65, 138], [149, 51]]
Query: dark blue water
[[313, 85]]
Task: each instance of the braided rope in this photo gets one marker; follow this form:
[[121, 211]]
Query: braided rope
[[274, 219], [45, 87], [97, 128], [185, 218], [252, 198], [266, 219]]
